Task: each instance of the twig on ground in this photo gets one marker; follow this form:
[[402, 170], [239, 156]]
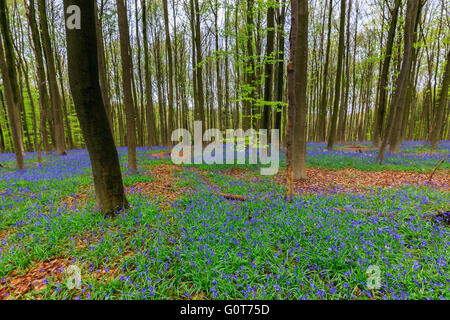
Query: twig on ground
[[435, 169]]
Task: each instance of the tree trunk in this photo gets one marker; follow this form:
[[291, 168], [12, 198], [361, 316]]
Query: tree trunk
[[381, 108], [218, 77], [280, 65], [82, 56], [337, 87], [439, 117], [126, 83], [291, 97], [250, 72], [344, 106], [51, 74], [104, 85], [268, 72], [323, 105], [393, 130], [33, 112], [227, 76], [200, 114], [301, 83], [170, 59], [41, 77], [9, 76], [151, 130]]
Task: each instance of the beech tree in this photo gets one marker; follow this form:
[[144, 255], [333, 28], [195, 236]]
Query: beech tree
[[55, 98], [170, 63], [337, 86], [393, 130], [297, 84], [301, 83], [127, 66], [268, 73], [382, 97], [9, 76], [439, 117], [82, 58]]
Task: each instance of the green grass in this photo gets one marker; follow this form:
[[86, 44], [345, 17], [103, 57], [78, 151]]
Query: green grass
[[206, 247]]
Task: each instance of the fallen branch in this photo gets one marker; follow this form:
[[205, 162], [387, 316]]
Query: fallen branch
[[233, 197], [366, 211], [435, 169]]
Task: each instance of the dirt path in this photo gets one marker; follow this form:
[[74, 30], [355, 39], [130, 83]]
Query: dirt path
[[164, 185], [351, 180]]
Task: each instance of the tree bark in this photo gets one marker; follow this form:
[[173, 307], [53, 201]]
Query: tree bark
[[393, 130], [104, 85], [40, 71], [9, 76], [126, 83], [382, 100], [268, 72], [439, 118], [200, 114], [53, 84], [247, 121], [280, 65], [170, 79], [151, 130], [323, 105], [337, 87], [291, 98], [301, 83], [82, 56]]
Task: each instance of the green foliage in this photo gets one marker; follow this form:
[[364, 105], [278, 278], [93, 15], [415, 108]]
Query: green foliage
[[133, 179]]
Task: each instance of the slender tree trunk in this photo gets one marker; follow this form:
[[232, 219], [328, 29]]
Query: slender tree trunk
[[126, 83], [323, 104], [250, 72], [170, 79], [40, 71], [344, 106], [5, 113], [218, 76], [53, 84], [436, 133], [382, 100], [22, 111], [291, 96], [268, 73], [151, 130], [280, 76], [64, 105], [337, 87], [227, 73], [104, 85], [200, 115], [393, 130], [33, 112], [301, 83]]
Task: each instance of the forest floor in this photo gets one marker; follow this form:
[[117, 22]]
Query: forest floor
[[225, 232]]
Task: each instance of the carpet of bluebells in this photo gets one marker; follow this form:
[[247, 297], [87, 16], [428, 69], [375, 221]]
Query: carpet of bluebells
[[206, 247]]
